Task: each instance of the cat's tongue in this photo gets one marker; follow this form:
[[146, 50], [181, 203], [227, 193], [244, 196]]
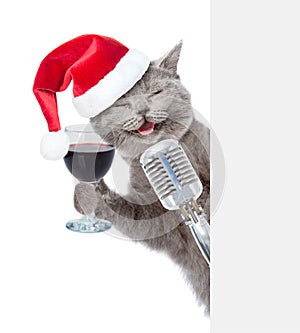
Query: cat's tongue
[[146, 128]]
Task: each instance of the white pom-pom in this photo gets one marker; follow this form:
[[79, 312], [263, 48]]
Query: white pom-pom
[[54, 145]]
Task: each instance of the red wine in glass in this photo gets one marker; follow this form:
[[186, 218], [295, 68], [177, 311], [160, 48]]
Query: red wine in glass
[[89, 162], [88, 159]]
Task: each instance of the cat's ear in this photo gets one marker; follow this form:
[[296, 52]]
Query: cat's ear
[[170, 60]]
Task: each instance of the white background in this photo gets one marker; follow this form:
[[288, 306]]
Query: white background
[[53, 280]]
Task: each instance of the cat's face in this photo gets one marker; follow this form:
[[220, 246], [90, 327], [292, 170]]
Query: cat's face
[[156, 108]]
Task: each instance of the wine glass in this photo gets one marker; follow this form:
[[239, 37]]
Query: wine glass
[[88, 159]]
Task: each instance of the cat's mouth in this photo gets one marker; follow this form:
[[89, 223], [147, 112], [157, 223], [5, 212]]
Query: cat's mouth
[[147, 128]]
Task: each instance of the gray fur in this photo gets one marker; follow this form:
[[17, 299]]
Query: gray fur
[[158, 97]]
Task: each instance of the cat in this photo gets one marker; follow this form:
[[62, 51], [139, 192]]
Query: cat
[[157, 107]]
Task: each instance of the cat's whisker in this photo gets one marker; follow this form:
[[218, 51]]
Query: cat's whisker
[[157, 116], [133, 123]]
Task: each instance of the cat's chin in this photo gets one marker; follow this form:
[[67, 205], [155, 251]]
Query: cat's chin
[[146, 135]]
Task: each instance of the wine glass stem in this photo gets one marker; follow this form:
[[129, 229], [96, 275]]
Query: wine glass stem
[[92, 215]]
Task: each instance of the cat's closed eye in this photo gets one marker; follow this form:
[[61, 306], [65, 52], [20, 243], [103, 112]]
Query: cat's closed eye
[[122, 105], [156, 92]]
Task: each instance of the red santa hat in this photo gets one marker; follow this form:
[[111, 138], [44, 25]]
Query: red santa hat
[[102, 70]]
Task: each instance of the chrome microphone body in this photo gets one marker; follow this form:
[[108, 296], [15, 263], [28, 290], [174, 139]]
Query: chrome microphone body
[[177, 186]]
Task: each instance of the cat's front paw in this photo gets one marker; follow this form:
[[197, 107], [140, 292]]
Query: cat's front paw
[[102, 188], [85, 198]]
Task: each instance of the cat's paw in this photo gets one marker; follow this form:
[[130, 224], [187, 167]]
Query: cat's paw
[[102, 188], [85, 198]]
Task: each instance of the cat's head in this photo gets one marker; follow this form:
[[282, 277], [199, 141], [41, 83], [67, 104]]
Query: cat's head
[[156, 108]]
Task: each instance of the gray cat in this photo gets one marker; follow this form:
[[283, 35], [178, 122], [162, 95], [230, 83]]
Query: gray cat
[[158, 107]]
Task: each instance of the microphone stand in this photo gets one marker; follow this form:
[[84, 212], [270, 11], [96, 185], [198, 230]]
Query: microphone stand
[[194, 217]]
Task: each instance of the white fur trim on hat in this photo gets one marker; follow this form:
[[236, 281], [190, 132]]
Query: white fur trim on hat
[[116, 83], [54, 145]]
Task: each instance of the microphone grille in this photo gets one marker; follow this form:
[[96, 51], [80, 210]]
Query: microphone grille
[[170, 172], [159, 178]]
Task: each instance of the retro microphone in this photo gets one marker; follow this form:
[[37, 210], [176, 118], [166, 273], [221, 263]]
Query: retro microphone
[[177, 186]]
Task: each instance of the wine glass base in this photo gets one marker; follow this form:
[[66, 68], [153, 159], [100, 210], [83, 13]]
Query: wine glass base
[[88, 224]]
